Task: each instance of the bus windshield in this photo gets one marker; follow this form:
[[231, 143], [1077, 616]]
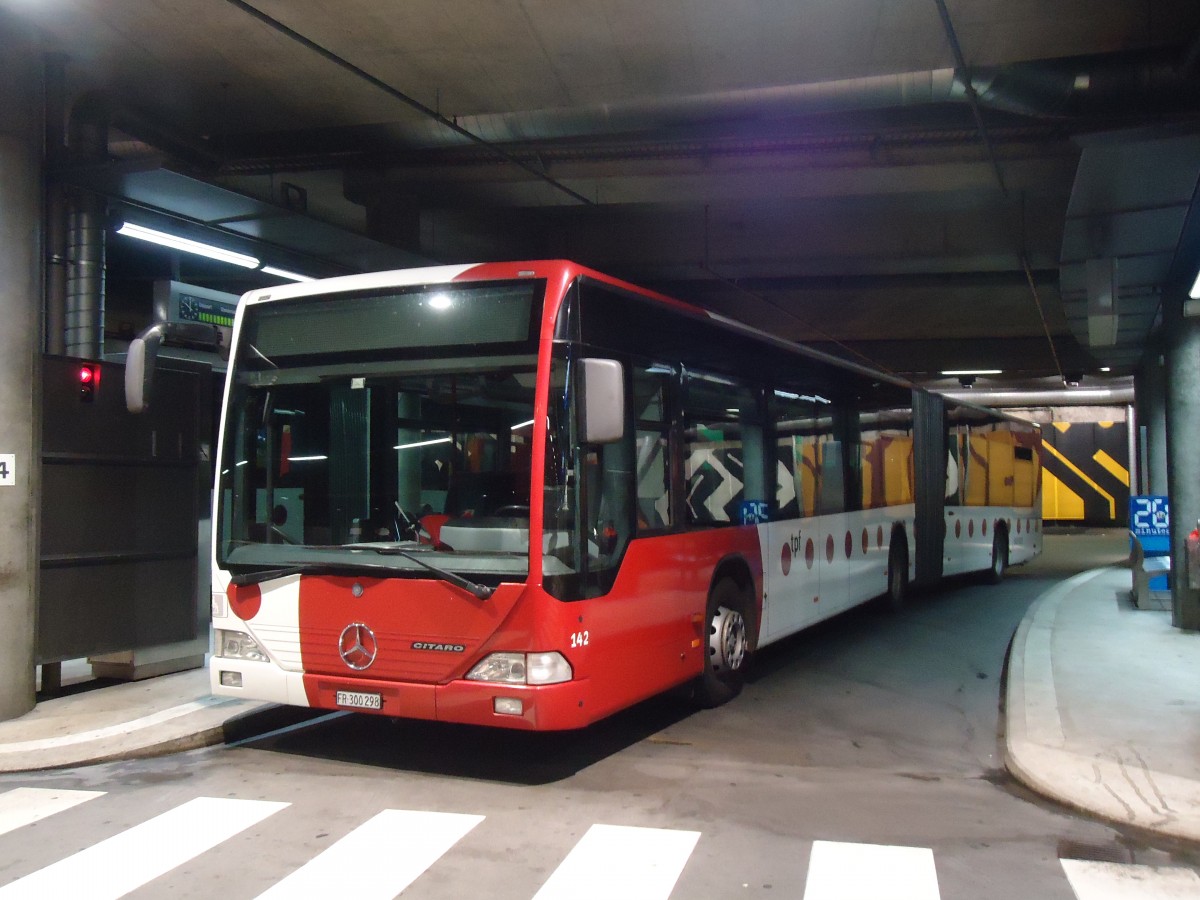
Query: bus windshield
[[342, 443]]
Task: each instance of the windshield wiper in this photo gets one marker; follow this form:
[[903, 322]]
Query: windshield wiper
[[308, 568], [266, 575], [482, 591]]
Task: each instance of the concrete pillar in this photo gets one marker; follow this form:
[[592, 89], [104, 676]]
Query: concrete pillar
[[1150, 387], [20, 360], [1183, 461]]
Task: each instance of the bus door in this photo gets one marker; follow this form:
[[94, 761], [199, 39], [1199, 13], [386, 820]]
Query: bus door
[[794, 544]]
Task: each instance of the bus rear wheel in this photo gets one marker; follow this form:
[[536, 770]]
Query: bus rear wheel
[[897, 578], [727, 650], [999, 557]]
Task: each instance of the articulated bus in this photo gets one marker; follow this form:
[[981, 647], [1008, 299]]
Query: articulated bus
[[529, 495]]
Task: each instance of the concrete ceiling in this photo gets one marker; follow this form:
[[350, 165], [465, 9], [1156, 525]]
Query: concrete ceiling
[[922, 191]]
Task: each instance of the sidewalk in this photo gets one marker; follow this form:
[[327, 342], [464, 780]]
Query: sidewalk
[[1103, 704], [139, 718]]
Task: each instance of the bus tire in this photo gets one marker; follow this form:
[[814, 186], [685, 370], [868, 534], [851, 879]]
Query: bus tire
[[897, 579], [727, 647], [999, 556]]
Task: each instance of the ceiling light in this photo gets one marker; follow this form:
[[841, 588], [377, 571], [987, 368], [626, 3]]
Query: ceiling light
[[440, 301], [971, 371], [284, 273], [187, 245], [429, 443], [1194, 293]]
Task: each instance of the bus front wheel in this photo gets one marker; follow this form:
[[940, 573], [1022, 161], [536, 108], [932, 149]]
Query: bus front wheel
[[727, 649]]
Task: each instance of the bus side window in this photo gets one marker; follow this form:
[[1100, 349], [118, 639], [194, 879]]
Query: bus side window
[[723, 449], [794, 419], [832, 477]]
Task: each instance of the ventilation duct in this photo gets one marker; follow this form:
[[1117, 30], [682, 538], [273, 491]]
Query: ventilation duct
[[1050, 89], [84, 326]]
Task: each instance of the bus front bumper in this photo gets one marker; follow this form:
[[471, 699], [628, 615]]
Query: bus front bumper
[[552, 707]]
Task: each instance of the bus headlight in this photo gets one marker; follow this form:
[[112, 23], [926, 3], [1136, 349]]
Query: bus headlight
[[522, 668], [239, 645]]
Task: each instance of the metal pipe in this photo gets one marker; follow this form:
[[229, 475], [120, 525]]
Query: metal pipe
[[972, 97], [55, 318], [1063, 397], [87, 143], [84, 325]]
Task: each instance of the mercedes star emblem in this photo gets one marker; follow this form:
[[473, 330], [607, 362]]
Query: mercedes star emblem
[[357, 646]]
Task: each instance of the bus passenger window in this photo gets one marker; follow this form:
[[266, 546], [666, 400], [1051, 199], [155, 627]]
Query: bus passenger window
[[800, 418], [722, 423], [886, 457], [832, 477]]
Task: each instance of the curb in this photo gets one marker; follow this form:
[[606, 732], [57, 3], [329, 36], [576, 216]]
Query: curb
[[1114, 785]]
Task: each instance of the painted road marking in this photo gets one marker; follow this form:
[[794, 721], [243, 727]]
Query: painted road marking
[[1092, 880], [24, 806], [621, 861], [126, 861], [402, 844], [838, 871]]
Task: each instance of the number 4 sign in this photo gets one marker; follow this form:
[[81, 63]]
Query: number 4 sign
[[8, 469]]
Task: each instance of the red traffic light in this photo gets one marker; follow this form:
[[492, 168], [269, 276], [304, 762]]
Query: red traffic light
[[89, 378]]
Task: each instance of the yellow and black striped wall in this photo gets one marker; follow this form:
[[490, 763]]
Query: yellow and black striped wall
[[1085, 473]]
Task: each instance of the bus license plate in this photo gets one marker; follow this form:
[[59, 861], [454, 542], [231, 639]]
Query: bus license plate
[[358, 700]]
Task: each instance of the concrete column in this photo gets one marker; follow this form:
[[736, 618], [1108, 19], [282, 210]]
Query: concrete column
[[20, 361], [1150, 387], [1183, 461]]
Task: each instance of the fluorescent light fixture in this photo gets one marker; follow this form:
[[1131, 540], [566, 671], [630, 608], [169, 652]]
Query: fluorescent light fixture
[[971, 371], [520, 425], [1093, 393], [1194, 293], [306, 458], [713, 379], [430, 443], [187, 245], [284, 273], [1106, 368], [808, 398]]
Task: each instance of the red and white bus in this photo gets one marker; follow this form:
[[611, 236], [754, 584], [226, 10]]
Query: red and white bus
[[529, 495]]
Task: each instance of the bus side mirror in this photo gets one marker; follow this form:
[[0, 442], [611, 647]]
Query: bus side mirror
[[143, 355], [603, 401], [139, 369]]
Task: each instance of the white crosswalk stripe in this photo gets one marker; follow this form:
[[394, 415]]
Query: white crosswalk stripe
[[409, 841], [839, 871], [621, 861], [630, 863], [1122, 881], [24, 806], [119, 864]]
